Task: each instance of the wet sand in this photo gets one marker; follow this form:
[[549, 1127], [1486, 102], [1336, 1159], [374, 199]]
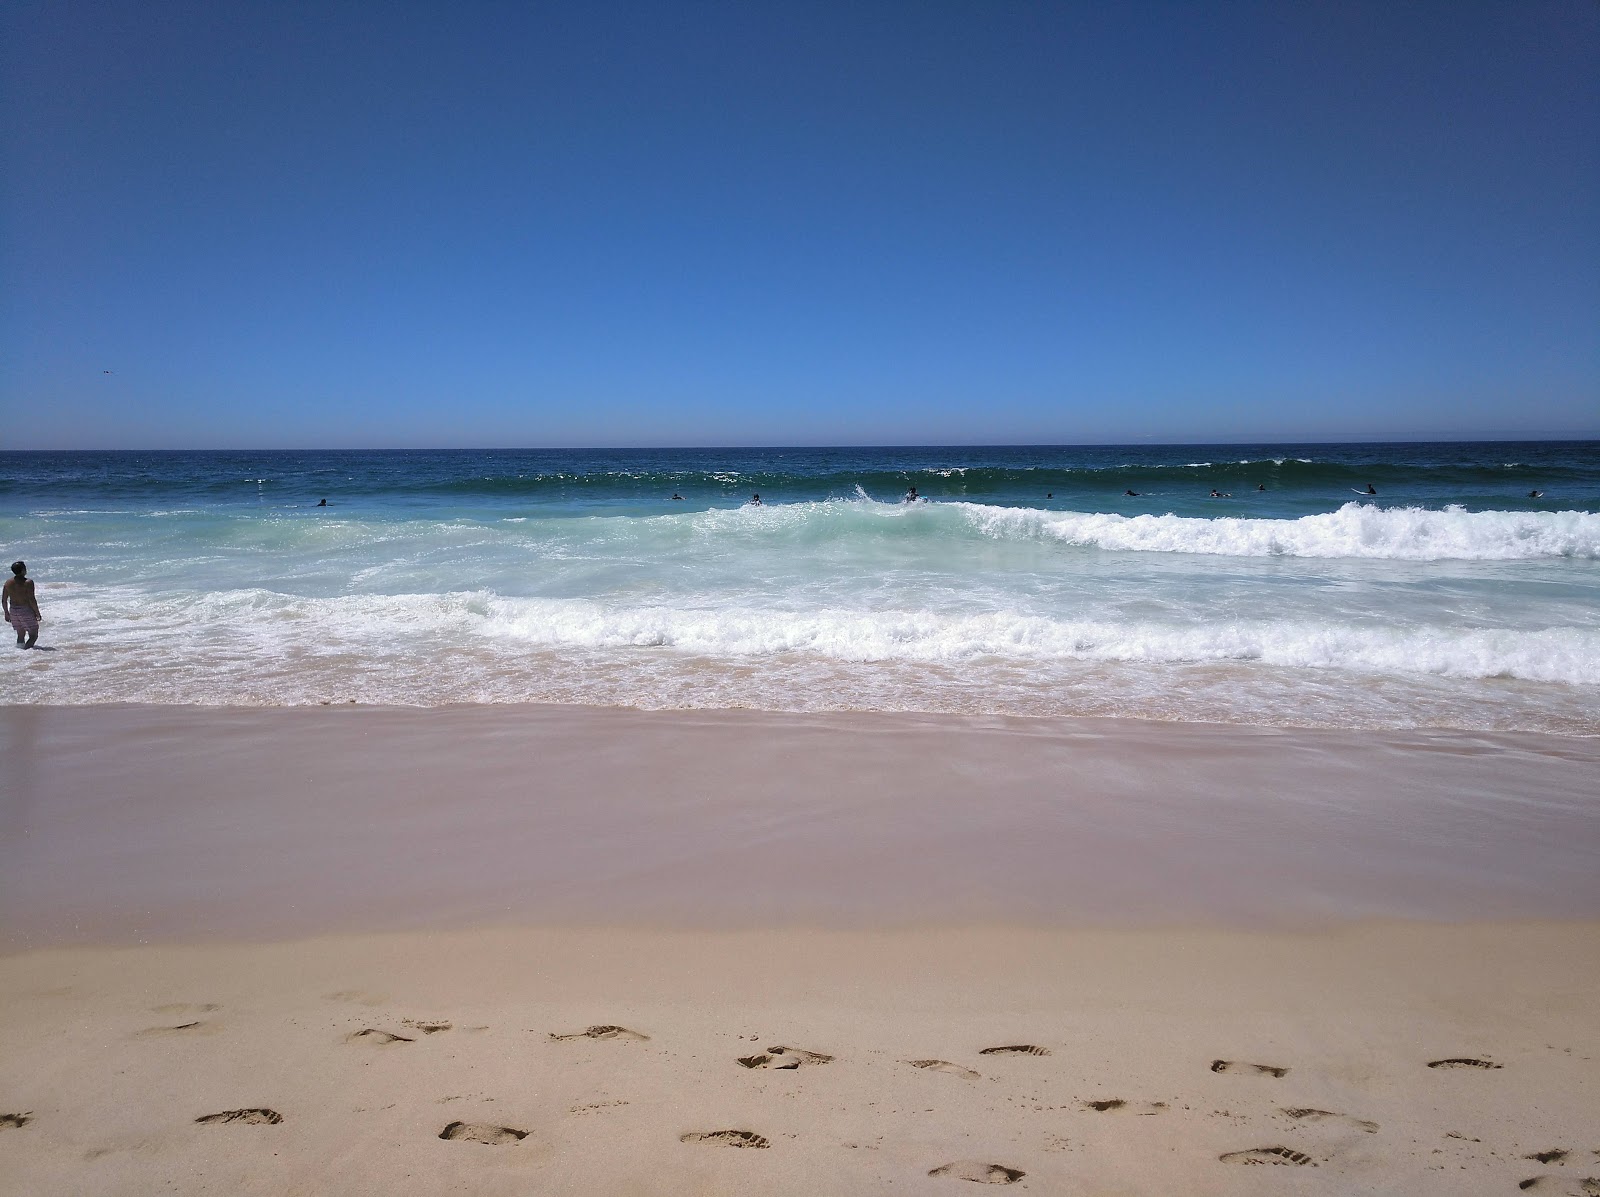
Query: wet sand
[[367, 951], [133, 824]]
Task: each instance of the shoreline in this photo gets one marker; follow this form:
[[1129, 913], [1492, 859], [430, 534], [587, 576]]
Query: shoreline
[[977, 718], [149, 823]]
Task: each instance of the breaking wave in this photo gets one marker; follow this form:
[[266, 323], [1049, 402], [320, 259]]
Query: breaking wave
[[259, 630], [1355, 530]]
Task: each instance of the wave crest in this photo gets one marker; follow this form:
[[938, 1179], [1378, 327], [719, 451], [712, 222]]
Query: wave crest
[[1355, 530]]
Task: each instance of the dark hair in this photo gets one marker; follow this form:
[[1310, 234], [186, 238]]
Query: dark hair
[[19, 568]]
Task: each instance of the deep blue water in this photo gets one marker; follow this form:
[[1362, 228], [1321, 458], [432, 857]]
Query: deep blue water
[[1299, 479]]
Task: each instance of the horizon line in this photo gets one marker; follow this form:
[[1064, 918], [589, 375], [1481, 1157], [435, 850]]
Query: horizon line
[[1477, 438]]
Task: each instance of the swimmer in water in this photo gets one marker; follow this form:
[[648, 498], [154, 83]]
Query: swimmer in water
[[20, 606], [755, 501]]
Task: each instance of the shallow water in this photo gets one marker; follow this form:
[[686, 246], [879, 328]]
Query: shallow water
[[1028, 583]]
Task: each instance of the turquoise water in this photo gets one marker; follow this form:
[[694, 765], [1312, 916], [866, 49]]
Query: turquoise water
[[1027, 582]]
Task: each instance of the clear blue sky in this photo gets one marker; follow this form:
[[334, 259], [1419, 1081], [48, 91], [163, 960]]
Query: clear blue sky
[[597, 223]]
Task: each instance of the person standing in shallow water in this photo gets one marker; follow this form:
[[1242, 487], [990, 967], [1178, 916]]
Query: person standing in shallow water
[[20, 606]]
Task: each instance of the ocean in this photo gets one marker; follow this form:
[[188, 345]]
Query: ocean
[[1027, 581]]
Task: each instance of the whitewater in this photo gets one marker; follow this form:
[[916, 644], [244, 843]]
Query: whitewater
[[1023, 584]]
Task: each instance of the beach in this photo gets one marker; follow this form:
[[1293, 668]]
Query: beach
[[506, 826], [1300, 960], [823, 600]]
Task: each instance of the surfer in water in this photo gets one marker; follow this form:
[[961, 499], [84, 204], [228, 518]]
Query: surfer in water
[[19, 605], [1371, 490], [1131, 494], [1536, 494], [1217, 494], [676, 498], [911, 496]]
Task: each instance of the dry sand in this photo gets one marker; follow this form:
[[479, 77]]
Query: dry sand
[[886, 891], [114, 1054]]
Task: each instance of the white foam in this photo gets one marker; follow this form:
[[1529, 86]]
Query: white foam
[[1565, 655], [259, 646], [271, 626], [1357, 530], [842, 604]]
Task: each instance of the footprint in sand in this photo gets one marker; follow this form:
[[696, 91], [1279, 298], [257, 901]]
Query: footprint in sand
[[766, 1061], [726, 1138], [1554, 1156], [1132, 1107], [602, 1032], [1463, 1062], [16, 1120], [197, 1027], [1015, 1049], [1267, 1155], [945, 1066], [1258, 1069], [1310, 1115], [594, 1106], [375, 1037], [483, 1132], [802, 1055], [979, 1172], [1561, 1186], [427, 1028], [253, 1117], [785, 1057]]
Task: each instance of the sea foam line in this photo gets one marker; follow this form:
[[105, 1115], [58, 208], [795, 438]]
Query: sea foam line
[[1564, 655], [256, 623], [1355, 530]]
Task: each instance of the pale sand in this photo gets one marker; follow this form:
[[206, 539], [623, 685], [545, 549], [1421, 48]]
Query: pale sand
[[984, 884], [1139, 1016]]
